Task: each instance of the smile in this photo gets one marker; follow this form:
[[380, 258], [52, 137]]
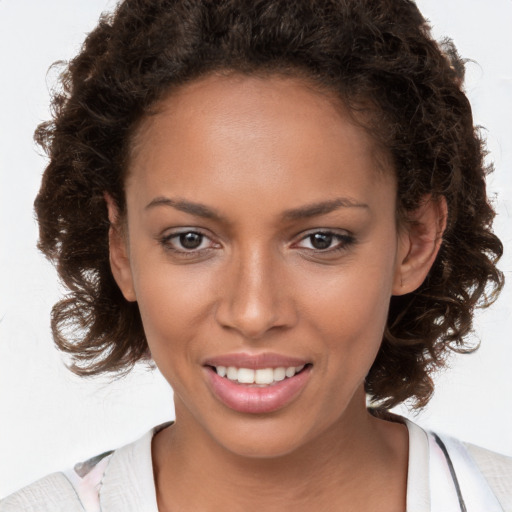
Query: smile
[[259, 377], [258, 384]]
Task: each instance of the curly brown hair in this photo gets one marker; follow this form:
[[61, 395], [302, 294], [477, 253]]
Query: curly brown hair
[[371, 52]]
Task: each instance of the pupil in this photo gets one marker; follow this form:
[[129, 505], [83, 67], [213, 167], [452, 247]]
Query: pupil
[[191, 240], [321, 240]]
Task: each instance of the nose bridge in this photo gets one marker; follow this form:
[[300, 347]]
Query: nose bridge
[[253, 300]]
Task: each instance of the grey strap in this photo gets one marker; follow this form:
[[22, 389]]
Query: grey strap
[[472, 488], [452, 472]]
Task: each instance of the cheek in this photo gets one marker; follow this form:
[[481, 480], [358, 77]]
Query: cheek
[[348, 309], [173, 302]]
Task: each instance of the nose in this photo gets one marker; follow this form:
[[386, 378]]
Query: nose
[[255, 296]]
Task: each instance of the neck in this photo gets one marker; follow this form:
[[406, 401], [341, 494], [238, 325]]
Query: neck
[[349, 467]]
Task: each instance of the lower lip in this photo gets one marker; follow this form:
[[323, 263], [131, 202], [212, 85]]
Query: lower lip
[[257, 400]]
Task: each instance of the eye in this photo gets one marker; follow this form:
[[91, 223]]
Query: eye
[[187, 242], [190, 240], [321, 241], [325, 241]]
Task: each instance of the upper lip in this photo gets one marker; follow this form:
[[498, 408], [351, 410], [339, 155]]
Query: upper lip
[[255, 361]]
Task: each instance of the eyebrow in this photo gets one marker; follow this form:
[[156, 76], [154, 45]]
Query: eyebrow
[[197, 209], [303, 212], [322, 208]]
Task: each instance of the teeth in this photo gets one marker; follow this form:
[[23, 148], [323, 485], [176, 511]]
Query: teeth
[[279, 374], [262, 376], [245, 376], [232, 373], [290, 372]]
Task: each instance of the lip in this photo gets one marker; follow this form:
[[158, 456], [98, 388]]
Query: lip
[[251, 399], [255, 361]]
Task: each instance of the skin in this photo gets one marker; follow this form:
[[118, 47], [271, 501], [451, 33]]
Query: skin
[[252, 150]]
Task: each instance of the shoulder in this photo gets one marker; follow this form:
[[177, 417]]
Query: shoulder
[[68, 491], [492, 463], [448, 474], [52, 493], [497, 470], [116, 480], [479, 470]]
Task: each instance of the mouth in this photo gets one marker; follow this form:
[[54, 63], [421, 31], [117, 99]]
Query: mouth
[[257, 385], [258, 377]]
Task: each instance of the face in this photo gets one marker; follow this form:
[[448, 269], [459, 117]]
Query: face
[[262, 248]]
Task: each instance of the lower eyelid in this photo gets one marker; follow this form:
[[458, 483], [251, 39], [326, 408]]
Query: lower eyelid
[[185, 254]]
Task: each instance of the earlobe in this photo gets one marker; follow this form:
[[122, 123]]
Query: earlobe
[[119, 257], [419, 243]]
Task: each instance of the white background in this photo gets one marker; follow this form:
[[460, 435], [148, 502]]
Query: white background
[[50, 419]]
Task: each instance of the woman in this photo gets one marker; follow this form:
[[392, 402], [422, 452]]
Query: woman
[[283, 206]]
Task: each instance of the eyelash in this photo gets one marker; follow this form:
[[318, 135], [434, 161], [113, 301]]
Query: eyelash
[[344, 242], [166, 242]]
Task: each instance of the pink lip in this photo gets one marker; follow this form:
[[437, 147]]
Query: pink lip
[[255, 361], [257, 400]]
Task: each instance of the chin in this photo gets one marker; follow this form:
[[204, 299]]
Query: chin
[[262, 440], [270, 436]]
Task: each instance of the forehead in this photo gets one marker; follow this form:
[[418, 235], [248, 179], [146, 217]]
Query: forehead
[[253, 131]]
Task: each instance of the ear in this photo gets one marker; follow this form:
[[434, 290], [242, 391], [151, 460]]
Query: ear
[[118, 249], [419, 243]]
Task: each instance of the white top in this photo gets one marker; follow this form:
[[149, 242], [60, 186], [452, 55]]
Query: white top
[[123, 480]]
